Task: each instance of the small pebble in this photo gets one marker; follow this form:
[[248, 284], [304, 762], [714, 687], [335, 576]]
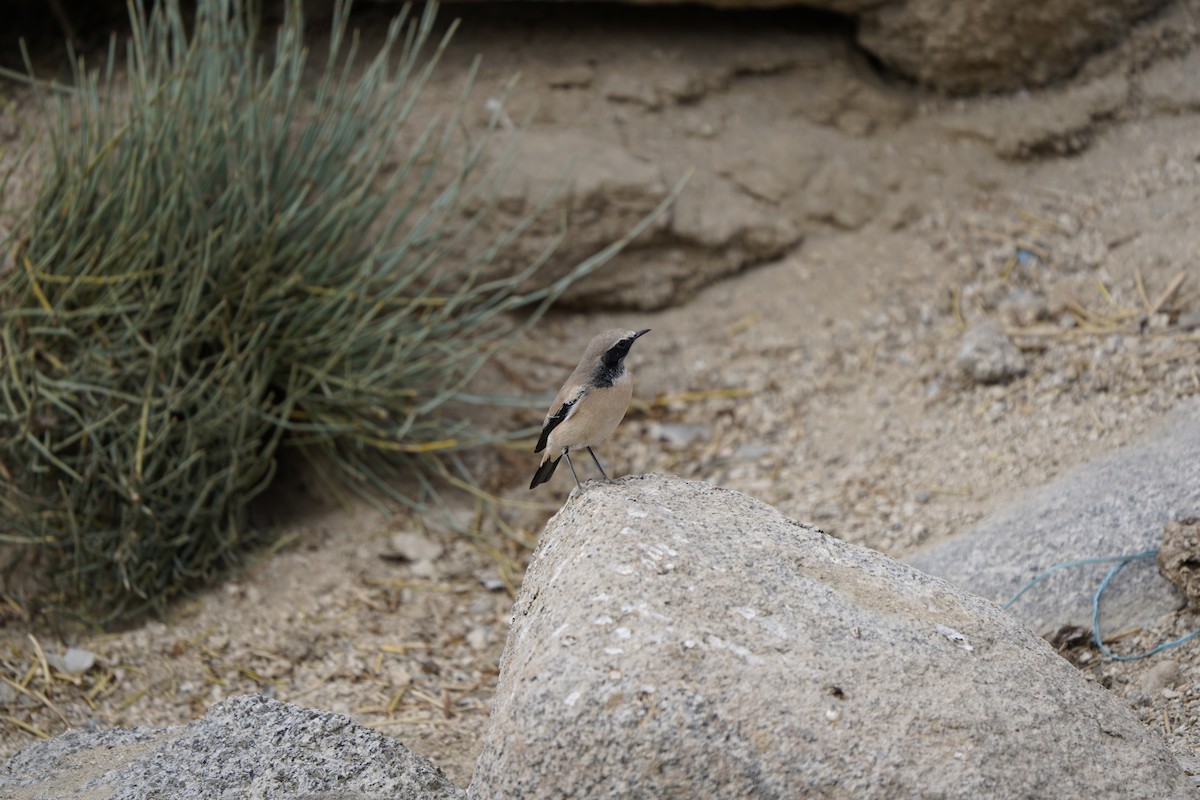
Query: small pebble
[[986, 355]]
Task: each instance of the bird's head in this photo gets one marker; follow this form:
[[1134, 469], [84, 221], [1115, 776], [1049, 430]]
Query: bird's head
[[613, 345]]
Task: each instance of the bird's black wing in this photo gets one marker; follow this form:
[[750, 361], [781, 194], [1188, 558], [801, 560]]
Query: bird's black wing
[[557, 417]]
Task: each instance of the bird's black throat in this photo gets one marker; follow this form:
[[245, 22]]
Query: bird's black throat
[[612, 364], [607, 374]]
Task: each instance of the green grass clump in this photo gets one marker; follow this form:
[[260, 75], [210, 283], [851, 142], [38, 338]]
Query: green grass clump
[[220, 260]]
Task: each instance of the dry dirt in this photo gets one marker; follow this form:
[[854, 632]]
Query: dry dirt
[[824, 382]]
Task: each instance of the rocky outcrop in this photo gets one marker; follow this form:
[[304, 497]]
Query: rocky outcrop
[[246, 747], [672, 639], [980, 45], [989, 45], [1114, 506]]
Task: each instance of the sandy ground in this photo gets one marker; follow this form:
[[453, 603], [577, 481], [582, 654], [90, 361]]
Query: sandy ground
[[824, 382]]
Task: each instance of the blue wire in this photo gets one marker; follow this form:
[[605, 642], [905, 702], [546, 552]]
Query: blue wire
[[1062, 565], [1121, 563], [1096, 614]]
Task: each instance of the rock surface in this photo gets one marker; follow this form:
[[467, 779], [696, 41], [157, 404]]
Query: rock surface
[[1115, 506], [246, 747], [673, 639]]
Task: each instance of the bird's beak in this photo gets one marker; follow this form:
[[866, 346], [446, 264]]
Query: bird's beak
[[641, 333]]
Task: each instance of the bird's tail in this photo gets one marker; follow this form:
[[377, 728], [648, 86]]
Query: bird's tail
[[544, 471]]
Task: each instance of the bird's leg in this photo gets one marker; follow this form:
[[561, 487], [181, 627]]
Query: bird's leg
[[572, 466], [602, 472]]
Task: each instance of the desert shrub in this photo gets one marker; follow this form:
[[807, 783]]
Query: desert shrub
[[221, 259]]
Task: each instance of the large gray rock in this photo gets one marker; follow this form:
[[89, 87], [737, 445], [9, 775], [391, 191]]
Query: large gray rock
[[246, 748], [1117, 505], [672, 639]]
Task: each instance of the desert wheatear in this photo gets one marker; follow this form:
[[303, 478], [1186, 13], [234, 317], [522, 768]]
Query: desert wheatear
[[590, 404]]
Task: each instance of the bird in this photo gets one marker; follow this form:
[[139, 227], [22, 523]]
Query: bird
[[590, 405]]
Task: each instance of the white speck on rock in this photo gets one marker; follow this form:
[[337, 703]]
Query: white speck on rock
[[637, 513], [642, 610], [603, 619], [717, 643], [956, 637], [623, 633], [748, 613], [653, 554], [571, 699]]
